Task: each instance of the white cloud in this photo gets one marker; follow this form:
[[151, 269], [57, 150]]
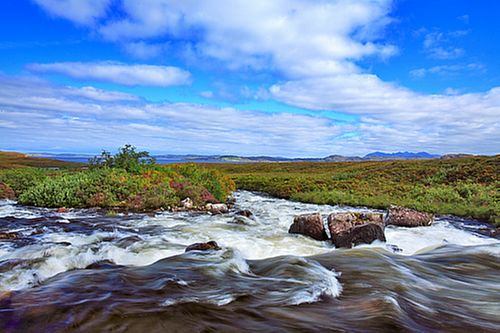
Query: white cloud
[[439, 45], [316, 47], [392, 116], [296, 37], [207, 94], [83, 12], [35, 115], [100, 95], [143, 50], [448, 70], [131, 75]]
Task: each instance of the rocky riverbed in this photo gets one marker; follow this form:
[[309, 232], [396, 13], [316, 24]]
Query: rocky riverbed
[[78, 270]]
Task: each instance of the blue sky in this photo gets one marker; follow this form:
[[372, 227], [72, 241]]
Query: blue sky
[[287, 78]]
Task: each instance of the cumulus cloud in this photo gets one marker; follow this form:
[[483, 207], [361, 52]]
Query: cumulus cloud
[[315, 47], [84, 12], [393, 116], [56, 118], [130, 75], [296, 37]]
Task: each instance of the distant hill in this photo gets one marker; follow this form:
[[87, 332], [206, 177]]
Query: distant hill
[[448, 156], [173, 158], [400, 155]]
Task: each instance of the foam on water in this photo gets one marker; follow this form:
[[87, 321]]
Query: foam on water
[[167, 234]]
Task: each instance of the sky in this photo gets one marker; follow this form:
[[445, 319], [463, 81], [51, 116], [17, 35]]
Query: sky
[[291, 78]]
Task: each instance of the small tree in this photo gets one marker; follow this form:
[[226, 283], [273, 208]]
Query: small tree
[[127, 158]]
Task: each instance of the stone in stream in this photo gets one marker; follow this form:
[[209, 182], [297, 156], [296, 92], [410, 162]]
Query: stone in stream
[[242, 220], [9, 235], [245, 213], [354, 228], [406, 217], [217, 208], [187, 203], [211, 245], [309, 225]]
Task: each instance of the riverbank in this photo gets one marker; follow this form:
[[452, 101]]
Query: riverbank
[[466, 187]]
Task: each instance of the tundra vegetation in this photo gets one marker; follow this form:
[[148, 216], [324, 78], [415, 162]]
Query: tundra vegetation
[[466, 187], [128, 180]]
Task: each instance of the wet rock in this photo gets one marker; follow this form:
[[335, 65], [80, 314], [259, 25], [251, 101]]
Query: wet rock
[[355, 228], [217, 208], [102, 264], [394, 248], [230, 201], [187, 203], [359, 234], [242, 220], [6, 192], [9, 235], [211, 245], [406, 217], [309, 225], [341, 222], [63, 243], [490, 232], [245, 213], [127, 241]]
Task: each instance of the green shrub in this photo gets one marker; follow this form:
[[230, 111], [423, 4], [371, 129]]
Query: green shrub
[[21, 179]]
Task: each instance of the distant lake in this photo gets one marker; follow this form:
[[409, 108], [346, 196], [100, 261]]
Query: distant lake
[[85, 159]]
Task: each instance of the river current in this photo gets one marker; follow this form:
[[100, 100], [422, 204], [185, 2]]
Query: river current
[[85, 272]]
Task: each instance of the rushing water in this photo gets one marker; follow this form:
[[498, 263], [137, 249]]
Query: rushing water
[[81, 271]]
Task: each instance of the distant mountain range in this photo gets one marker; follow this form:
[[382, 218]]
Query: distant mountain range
[[171, 158]]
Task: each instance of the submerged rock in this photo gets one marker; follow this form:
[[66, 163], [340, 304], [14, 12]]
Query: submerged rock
[[354, 228], [309, 225], [211, 245], [245, 213], [242, 220], [406, 217]]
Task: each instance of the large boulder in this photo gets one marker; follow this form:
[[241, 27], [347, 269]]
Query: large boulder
[[354, 228], [406, 217], [211, 245], [309, 225]]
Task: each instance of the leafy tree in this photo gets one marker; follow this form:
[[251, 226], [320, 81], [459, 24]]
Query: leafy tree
[[127, 158]]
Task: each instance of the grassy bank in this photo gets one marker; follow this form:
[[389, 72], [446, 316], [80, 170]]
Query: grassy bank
[[467, 187], [120, 182], [10, 160]]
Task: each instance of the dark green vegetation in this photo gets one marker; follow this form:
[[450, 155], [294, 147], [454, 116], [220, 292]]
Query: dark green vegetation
[[128, 180], [467, 187]]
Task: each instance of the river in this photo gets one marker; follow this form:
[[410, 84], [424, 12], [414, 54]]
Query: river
[[82, 271]]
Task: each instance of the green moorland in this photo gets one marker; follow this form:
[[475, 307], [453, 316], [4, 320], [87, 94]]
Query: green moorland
[[11, 160], [467, 187], [129, 180]]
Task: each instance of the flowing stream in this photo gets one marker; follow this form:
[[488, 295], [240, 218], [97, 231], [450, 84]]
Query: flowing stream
[[82, 271]]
